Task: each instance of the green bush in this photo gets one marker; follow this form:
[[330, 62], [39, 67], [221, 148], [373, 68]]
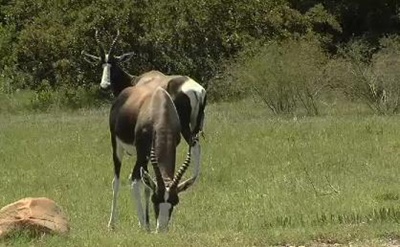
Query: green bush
[[369, 20], [66, 98], [42, 40], [44, 98], [80, 97], [286, 76], [11, 100], [385, 67], [368, 76]]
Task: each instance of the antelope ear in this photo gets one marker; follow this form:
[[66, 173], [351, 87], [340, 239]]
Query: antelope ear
[[92, 59], [186, 184], [125, 57], [146, 179]]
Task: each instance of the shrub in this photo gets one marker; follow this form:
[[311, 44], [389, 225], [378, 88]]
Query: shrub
[[369, 77], [285, 75], [42, 40], [385, 68], [66, 97], [44, 98], [80, 97]]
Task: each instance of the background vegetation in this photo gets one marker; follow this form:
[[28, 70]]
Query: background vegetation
[[41, 42]]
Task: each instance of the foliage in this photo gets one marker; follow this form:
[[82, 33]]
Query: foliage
[[43, 40], [369, 19], [370, 77], [46, 99], [285, 75], [65, 98]]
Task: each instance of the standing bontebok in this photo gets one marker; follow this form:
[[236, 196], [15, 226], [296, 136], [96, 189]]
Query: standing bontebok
[[138, 116]]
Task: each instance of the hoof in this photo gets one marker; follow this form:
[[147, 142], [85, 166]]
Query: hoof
[[144, 227], [111, 227]]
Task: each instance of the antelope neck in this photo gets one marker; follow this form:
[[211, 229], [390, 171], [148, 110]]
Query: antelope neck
[[120, 80]]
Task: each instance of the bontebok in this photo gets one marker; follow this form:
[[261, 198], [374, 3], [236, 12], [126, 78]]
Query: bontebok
[[146, 118], [188, 96]]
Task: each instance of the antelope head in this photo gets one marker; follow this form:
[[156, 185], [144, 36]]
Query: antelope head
[[165, 195], [108, 61]]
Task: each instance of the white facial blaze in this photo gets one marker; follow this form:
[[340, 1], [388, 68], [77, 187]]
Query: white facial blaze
[[163, 216], [106, 78]]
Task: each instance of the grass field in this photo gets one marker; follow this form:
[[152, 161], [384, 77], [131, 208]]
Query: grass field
[[265, 180]]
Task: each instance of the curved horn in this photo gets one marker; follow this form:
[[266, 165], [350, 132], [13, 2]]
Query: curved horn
[[102, 52], [181, 170], [154, 162], [113, 43]]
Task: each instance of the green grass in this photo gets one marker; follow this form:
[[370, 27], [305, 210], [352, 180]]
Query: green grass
[[264, 181]]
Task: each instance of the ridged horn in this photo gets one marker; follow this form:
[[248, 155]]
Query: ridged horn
[[102, 52], [112, 47], [157, 172], [181, 171]]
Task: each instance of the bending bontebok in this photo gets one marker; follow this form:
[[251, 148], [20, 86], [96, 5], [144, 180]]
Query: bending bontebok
[[146, 118]]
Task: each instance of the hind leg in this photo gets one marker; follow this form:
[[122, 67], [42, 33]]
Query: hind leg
[[196, 154], [141, 161], [194, 142], [117, 158]]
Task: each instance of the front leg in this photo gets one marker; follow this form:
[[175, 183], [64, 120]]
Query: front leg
[[147, 193], [196, 154], [142, 151], [194, 142]]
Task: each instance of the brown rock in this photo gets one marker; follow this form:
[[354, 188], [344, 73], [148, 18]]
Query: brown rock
[[38, 214]]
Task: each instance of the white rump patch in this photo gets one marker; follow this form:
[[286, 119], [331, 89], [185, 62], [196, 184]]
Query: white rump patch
[[196, 94], [128, 148], [106, 77]]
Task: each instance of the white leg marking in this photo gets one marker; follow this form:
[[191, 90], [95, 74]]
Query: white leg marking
[[163, 216], [136, 196], [113, 216], [196, 154], [115, 185], [147, 193]]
